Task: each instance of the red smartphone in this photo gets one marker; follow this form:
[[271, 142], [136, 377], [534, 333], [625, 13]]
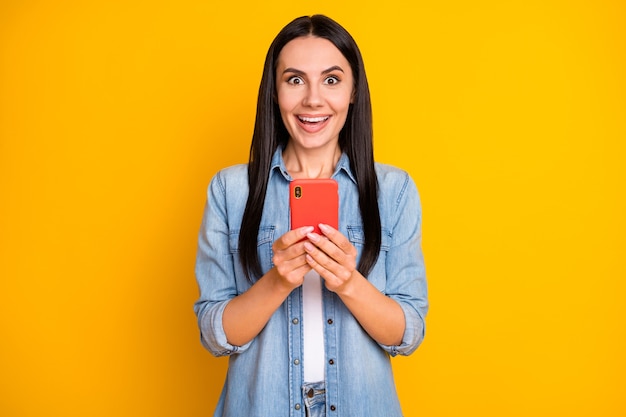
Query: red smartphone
[[314, 201]]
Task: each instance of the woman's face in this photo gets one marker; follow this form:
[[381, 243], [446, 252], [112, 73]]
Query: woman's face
[[315, 87]]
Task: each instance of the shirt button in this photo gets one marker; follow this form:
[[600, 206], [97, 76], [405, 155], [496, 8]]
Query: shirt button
[[332, 362], [295, 321], [330, 321], [297, 407], [333, 408], [296, 362]]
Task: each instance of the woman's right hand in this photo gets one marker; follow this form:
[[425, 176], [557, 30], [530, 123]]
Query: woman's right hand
[[246, 314], [290, 257]]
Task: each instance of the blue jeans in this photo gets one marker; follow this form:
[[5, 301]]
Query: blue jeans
[[314, 399]]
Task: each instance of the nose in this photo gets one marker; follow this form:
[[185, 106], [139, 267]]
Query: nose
[[313, 96]]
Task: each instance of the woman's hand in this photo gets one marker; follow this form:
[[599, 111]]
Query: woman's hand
[[246, 315], [333, 257], [290, 257]]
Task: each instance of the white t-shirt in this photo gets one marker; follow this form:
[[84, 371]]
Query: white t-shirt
[[313, 327]]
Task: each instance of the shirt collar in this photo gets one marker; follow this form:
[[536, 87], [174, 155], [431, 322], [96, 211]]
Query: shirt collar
[[278, 164], [344, 165]]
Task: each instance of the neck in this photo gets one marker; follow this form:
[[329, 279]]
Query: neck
[[308, 163]]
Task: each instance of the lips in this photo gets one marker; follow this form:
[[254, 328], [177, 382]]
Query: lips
[[312, 124]]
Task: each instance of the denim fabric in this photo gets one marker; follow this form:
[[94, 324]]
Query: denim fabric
[[265, 376], [314, 399]]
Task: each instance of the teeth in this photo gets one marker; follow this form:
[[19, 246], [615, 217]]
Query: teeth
[[313, 119]]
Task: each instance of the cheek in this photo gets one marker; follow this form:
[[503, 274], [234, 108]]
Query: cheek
[[282, 106], [286, 100], [286, 105], [341, 102]]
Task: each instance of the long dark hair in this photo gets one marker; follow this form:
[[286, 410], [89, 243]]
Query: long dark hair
[[355, 139]]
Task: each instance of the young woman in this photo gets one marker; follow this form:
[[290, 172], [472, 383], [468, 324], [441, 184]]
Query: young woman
[[310, 320]]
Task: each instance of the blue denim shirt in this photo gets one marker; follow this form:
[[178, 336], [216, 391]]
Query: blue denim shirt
[[265, 376]]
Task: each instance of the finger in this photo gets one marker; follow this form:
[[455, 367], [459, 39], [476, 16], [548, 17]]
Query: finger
[[322, 259], [330, 248], [326, 274], [291, 237], [338, 239], [296, 275], [289, 255], [293, 269], [333, 281], [325, 245]]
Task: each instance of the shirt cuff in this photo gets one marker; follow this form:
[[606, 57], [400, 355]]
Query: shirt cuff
[[413, 333], [213, 335]]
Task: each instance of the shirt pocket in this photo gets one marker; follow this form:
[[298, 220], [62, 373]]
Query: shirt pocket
[[378, 274], [265, 239]]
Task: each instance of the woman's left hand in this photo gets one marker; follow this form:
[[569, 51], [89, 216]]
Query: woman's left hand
[[332, 256]]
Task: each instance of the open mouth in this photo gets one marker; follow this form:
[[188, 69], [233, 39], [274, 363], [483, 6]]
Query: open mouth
[[313, 120]]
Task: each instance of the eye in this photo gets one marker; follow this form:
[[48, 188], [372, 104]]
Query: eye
[[295, 80], [332, 80]]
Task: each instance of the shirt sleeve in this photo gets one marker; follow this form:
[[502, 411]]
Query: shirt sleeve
[[404, 263], [214, 271]]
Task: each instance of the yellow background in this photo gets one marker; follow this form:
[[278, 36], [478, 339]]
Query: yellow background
[[510, 116]]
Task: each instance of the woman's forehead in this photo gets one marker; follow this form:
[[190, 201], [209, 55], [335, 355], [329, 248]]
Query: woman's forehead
[[311, 53]]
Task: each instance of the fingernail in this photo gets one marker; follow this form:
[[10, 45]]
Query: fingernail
[[313, 237], [308, 247], [324, 227], [308, 229]]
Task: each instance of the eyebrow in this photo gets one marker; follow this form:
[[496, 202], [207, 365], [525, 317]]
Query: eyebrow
[[326, 71]]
